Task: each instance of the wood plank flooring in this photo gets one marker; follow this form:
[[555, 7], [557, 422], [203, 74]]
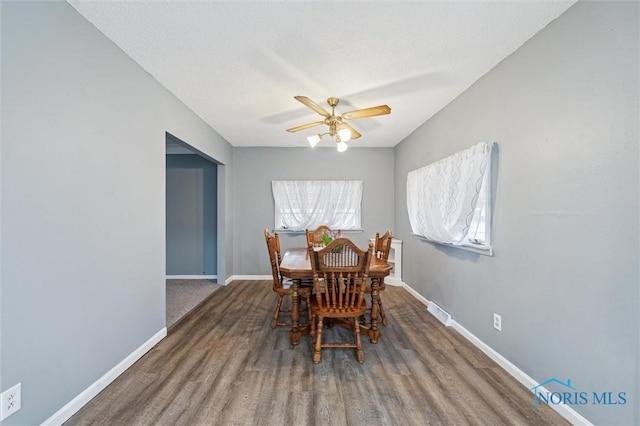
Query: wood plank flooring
[[223, 365]]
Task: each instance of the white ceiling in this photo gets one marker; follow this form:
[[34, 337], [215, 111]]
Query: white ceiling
[[238, 65]]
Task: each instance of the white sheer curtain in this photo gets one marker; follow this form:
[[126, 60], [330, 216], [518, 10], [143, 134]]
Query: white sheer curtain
[[307, 204], [442, 197]]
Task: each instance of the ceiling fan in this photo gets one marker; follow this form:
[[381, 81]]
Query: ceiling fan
[[342, 131]]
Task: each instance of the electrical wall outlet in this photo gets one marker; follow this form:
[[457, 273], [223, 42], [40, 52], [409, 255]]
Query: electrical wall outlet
[[11, 401], [497, 322]]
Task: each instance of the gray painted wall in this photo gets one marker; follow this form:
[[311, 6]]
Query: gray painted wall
[[82, 248], [191, 215], [564, 112], [255, 168], [185, 225], [83, 203]]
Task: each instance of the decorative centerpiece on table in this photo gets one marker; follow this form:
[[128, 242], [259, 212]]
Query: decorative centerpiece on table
[[328, 237]]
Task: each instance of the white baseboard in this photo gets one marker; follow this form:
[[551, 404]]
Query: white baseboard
[[564, 410], [415, 294], [191, 277], [394, 281], [63, 414], [248, 277]]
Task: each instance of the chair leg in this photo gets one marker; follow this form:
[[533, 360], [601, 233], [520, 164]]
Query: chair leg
[[316, 351], [359, 349], [276, 314], [381, 309], [366, 320], [312, 324]]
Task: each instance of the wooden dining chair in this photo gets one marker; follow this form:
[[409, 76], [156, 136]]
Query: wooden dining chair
[[314, 237], [340, 273], [281, 286], [381, 249]]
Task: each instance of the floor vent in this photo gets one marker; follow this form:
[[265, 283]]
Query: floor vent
[[442, 315]]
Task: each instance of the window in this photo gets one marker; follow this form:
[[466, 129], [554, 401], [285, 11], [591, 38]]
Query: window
[[307, 204], [479, 229], [449, 201]]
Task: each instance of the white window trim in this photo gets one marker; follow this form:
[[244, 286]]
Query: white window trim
[[484, 248], [475, 248]]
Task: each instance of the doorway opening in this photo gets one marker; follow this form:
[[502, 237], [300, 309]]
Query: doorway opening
[[191, 228]]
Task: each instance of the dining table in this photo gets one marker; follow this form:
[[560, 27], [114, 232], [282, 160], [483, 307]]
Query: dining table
[[296, 265]]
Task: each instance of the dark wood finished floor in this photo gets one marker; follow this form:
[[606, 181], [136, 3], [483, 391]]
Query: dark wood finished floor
[[223, 365]]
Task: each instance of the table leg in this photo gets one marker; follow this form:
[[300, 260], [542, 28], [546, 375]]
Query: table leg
[[374, 332], [295, 333]]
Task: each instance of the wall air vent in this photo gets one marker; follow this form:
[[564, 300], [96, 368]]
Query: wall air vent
[[442, 315]]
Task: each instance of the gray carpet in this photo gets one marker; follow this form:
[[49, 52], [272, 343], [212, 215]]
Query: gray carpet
[[184, 295]]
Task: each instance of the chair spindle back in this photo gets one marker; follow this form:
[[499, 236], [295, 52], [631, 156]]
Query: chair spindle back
[[340, 273]]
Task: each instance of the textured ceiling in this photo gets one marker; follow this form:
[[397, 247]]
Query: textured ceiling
[[238, 65]]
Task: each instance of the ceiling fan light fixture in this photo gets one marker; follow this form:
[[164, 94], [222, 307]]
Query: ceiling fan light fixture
[[313, 140], [338, 128], [345, 134]]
